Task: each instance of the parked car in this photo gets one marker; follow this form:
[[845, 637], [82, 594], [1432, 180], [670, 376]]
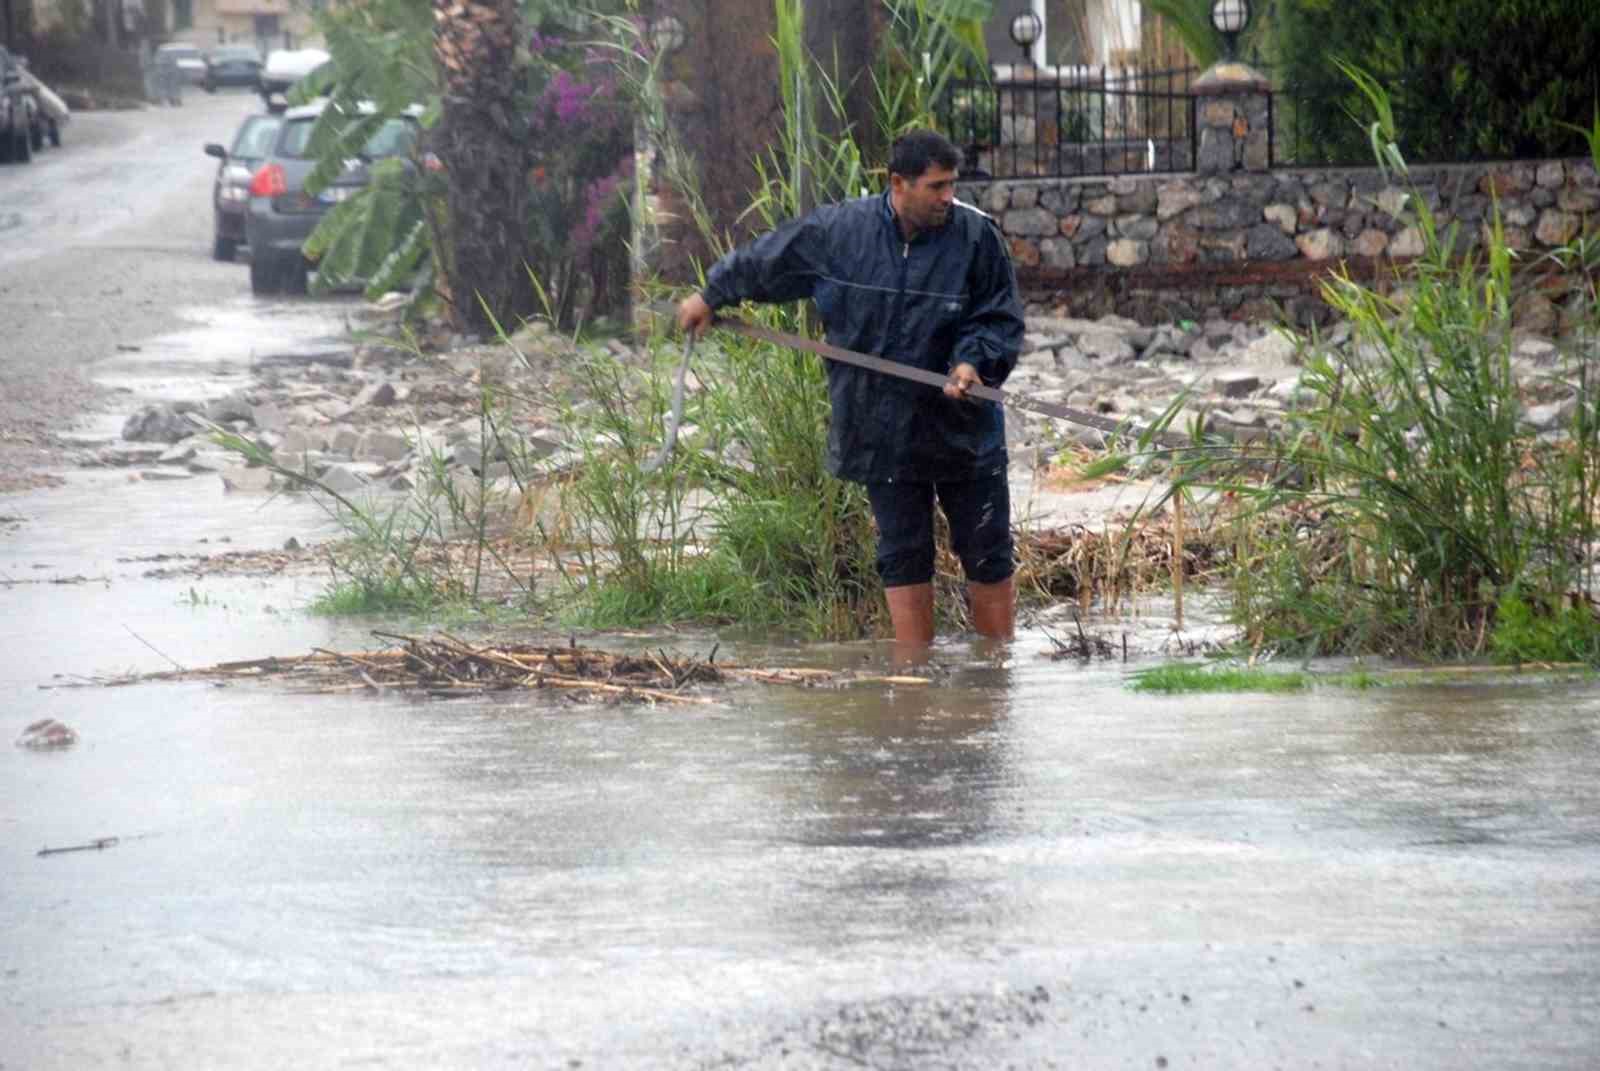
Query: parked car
[[285, 67], [232, 65], [281, 215], [189, 60], [230, 190], [17, 108]]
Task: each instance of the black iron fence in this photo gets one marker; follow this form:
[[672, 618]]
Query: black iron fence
[[1039, 122]]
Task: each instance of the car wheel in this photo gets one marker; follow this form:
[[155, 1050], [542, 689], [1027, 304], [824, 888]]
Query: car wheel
[[224, 248], [263, 274]]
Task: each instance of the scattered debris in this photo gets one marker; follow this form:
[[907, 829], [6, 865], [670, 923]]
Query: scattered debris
[[93, 846], [443, 666], [47, 735], [1083, 645]]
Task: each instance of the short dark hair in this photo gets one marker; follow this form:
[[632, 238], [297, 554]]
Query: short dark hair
[[917, 150]]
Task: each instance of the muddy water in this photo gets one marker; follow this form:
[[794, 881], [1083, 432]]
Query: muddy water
[[1024, 864]]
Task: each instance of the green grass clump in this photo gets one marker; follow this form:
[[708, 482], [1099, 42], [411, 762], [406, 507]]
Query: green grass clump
[[1190, 678], [1525, 633]]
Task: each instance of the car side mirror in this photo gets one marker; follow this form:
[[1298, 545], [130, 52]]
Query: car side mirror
[[213, 149]]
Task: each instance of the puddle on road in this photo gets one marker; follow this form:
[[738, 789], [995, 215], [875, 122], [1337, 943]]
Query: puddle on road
[[74, 597], [216, 352]]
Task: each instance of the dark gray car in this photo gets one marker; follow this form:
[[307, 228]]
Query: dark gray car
[[230, 190], [232, 65], [281, 215]]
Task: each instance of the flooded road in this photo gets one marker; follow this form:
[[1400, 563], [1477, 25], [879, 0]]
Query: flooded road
[[1022, 865]]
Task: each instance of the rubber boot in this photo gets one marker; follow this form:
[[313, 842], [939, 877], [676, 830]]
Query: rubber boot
[[993, 608], [911, 612]]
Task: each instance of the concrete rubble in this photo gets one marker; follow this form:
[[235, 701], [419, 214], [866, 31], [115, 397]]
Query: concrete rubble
[[381, 418]]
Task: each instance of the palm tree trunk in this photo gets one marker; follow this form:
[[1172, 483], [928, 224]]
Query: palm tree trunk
[[480, 139]]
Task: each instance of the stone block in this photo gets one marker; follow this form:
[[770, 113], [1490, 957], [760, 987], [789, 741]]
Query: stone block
[[1321, 244], [1215, 154], [382, 446], [1059, 199], [1266, 241], [245, 479], [1174, 244], [1571, 199], [157, 424], [1551, 174], [1030, 223], [1235, 383], [1141, 228], [233, 406], [381, 394], [1391, 201], [1408, 243], [341, 479], [996, 200], [1024, 196], [344, 441], [1056, 253], [1127, 253], [1518, 215], [1557, 227], [1223, 248], [1024, 253], [1175, 198], [269, 417], [1283, 215], [1218, 113], [1141, 199], [1101, 206], [1370, 243]]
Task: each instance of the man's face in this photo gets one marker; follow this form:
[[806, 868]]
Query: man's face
[[924, 202]]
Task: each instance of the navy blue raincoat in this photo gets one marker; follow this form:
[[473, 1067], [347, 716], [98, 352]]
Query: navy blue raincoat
[[949, 296]]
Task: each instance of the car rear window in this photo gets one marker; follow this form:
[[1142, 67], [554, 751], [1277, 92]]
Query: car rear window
[[393, 138], [225, 55], [255, 137]]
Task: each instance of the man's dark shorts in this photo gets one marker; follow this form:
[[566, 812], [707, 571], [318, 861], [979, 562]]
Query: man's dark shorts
[[979, 512]]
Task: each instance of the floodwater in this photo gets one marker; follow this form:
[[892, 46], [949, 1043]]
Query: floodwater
[[1023, 864]]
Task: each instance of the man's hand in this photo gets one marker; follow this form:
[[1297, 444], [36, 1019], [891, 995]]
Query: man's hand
[[962, 378], [694, 315]]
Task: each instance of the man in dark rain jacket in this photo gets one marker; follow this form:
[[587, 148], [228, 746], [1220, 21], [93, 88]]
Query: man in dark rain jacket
[[915, 276]]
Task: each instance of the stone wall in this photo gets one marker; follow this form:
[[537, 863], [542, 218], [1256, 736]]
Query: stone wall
[[1244, 245]]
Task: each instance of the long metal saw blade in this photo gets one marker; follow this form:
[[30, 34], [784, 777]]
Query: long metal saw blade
[[934, 379]]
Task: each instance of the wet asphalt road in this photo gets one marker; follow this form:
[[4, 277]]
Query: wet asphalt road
[[1024, 865]]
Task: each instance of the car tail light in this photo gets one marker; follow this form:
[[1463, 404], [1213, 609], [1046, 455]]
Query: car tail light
[[269, 182]]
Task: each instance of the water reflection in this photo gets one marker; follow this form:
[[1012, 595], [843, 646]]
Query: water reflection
[[905, 766], [1463, 765]]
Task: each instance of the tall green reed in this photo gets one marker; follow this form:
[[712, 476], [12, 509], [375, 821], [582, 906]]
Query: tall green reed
[[1423, 498]]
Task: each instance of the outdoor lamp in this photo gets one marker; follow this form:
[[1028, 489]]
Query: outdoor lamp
[[1025, 30], [1230, 18], [666, 33]]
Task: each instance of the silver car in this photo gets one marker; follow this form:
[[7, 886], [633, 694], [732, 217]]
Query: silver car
[[230, 191], [281, 215]]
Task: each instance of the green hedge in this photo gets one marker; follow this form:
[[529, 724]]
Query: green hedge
[[1469, 79]]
